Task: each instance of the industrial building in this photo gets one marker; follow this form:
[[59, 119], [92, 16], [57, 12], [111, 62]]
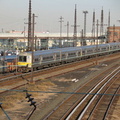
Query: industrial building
[[114, 34]]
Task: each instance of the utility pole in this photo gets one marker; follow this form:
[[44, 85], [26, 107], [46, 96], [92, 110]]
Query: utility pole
[[67, 31], [93, 27], [119, 32], [75, 27], [33, 28], [32, 46], [109, 19], [35, 43], [85, 12], [4, 54], [101, 25], [29, 27], [2, 30], [82, 42], [24, 39], [108, 32], [113, 33], [75, 23], [61, 20]]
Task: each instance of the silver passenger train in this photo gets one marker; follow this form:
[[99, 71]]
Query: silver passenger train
[[58, 56]]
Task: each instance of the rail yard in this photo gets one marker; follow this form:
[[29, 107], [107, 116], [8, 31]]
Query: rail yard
[[70, 90], [57, 72]]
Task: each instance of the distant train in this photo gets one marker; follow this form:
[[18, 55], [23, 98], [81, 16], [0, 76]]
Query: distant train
[[58, 56], [8, 63]]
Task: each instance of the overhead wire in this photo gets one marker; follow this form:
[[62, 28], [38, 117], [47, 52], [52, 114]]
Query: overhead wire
[[59, 92], [4, 112]]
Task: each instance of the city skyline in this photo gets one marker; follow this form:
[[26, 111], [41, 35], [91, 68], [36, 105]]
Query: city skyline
[[14, 13]]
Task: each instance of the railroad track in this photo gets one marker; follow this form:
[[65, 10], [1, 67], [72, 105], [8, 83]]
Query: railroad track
[[103, 104], [16, 75], [81, 104], [46, 72]]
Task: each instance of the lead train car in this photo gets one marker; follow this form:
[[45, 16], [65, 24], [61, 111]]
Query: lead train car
[[58, 56]]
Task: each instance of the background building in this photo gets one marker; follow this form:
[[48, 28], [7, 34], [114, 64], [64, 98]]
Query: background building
[[114, 34]]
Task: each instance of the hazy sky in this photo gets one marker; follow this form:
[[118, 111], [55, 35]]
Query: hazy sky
[[13, 13]]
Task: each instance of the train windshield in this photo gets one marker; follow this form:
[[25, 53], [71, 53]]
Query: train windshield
[[22, 58]]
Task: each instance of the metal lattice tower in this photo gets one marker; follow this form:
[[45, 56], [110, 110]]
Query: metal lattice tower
[[75, 27], [75, 23], [109, 19], [85, 12], [101, 26], [93, 26], [29, 27], [108, 32], [61, 20]]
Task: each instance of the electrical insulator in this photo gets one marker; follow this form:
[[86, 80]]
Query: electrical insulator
[[30, 99], [32, 103], [28, 95], [0, 104]]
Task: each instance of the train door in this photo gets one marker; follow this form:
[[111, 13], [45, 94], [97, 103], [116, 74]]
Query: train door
[[29, 60]]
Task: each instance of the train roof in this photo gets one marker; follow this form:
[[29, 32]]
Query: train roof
[[8, 57], [67, 49]]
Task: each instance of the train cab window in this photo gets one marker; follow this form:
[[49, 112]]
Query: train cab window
[[22, 58]]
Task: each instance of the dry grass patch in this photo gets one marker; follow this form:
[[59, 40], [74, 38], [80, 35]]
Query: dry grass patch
[[10, 100], [15, 99]]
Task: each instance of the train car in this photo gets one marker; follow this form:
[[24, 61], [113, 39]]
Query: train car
[[47, 58], [3, 66], [8, 63]]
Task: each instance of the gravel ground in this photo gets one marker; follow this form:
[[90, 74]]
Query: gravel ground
[[66, 84]]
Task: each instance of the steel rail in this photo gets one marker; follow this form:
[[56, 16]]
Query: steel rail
[[43, 70], [108, 108], [24, 74], [69, 116], [95, 107], [48, 116], [83, 112]]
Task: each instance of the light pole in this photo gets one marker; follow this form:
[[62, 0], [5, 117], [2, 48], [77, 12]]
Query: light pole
[[61, 20], [16, 60], [67, 32], [85, 12]]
